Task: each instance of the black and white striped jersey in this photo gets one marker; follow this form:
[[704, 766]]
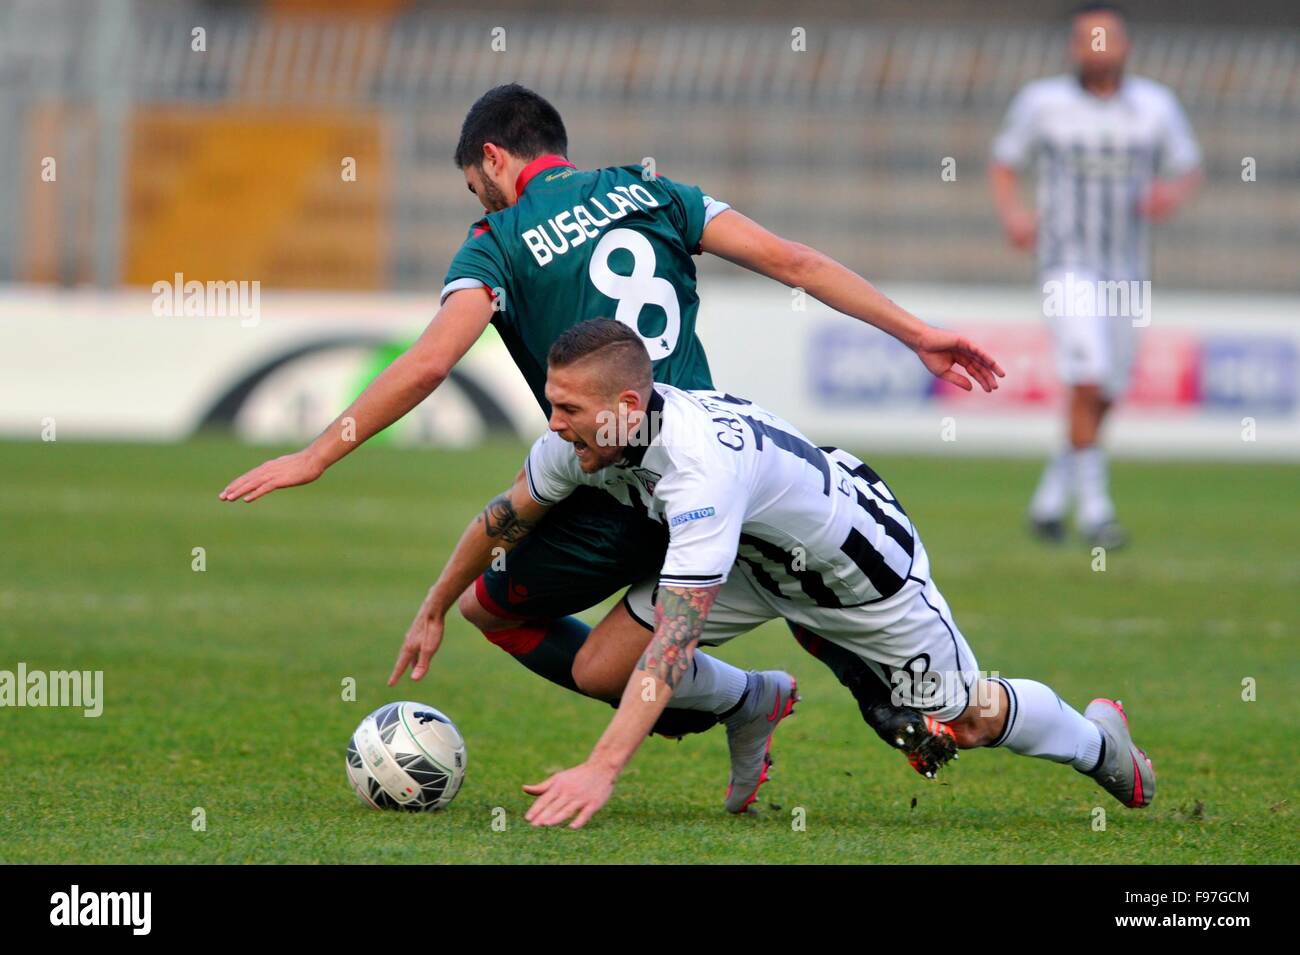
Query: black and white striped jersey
[[1096, 158], [736, 484]]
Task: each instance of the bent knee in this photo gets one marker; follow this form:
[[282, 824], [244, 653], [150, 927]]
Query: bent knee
[[480, 616], [516, 637], [593, 682]]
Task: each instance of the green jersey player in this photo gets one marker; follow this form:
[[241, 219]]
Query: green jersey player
[[607, 242], [558, 246]]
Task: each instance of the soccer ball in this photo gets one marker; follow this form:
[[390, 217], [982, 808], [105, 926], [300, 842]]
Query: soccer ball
[[406, 756]]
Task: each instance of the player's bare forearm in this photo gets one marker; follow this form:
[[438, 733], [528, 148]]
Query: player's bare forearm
[[494, 532], [846, 291], [1004, 182], [501, 525], [680, 614], [1019, 223], [398, 389], [743, 241], [746, 243], [412, 377], [578, 793]]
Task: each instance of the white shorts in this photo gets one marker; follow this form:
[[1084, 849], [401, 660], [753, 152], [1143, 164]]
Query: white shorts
[[1093, 346], [909, 640]]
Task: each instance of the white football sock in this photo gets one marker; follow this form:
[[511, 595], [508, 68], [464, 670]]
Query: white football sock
[[710, 685], [1091, 480], [1040, 723], [1055, 488]]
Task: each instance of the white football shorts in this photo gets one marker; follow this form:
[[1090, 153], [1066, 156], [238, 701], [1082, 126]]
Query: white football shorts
[[909, 640], [1094, 335]]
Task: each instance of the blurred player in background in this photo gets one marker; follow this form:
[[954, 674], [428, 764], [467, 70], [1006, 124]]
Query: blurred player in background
[[1115, 153]]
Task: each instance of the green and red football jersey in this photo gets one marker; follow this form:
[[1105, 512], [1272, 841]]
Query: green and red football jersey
[[602, 243]]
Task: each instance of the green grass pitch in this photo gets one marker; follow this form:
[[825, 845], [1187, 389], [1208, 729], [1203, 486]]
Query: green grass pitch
[[224, 687]]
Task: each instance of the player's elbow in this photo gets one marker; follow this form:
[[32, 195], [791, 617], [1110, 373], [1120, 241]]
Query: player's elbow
[[428, 374], [797, 264]]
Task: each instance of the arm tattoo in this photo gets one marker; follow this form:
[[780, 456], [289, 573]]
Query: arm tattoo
[[501, 520], [680, 613]]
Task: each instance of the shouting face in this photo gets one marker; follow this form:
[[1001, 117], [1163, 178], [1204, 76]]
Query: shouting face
[[589, 412]]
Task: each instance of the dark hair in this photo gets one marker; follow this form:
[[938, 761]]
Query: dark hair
[[1082, 8], [514, 118], [611, 341]]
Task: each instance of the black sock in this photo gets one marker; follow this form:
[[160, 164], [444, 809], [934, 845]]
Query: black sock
[[547, 647], [871, 692]]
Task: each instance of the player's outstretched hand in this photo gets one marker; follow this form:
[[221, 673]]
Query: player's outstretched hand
[[1161, 201], [944, 352], [287, 471], [578, 792], [423, 638]]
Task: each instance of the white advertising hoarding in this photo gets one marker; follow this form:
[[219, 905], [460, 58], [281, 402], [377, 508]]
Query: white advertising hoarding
[[1215, 376]]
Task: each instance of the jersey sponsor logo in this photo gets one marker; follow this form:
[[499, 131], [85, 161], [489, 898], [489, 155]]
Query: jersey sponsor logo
[[571, 228], [694, 515]]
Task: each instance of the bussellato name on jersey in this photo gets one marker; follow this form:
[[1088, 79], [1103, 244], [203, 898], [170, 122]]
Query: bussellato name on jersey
[[571, 228]]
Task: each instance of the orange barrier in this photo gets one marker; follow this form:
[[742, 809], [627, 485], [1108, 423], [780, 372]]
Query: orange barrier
[[250, 194]]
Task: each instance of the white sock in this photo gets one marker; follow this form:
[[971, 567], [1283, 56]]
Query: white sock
[[1095, 507], [1040, 723], [1055, 488], [710, 685]]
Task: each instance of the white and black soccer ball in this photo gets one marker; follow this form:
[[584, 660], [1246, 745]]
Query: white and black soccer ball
[[406, 756]]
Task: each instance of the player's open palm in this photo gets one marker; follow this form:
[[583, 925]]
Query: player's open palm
[[576, 793], [287, 471], [944, 353], [423, 638]]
